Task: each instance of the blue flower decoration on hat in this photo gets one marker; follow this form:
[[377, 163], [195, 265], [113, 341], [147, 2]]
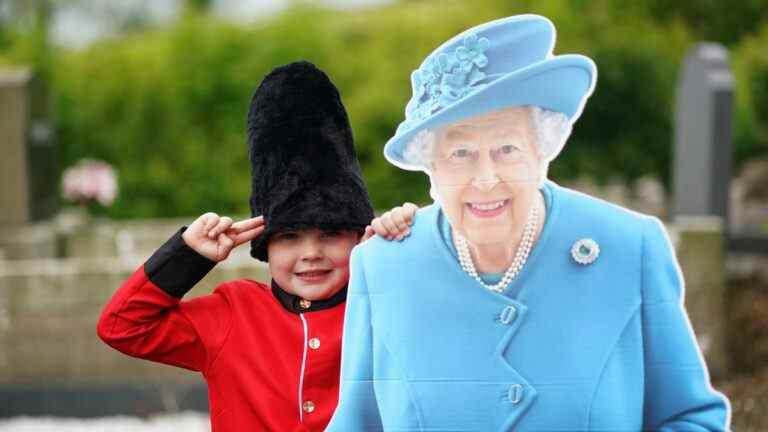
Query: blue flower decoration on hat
[[496, 65], [448, 77]]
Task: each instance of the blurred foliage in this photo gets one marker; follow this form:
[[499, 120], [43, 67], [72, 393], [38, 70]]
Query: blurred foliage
[[746, 328], [24, 37], [746, 335], [717, 20], [748, 395], [167, 106], [198, 5], [750, 63]]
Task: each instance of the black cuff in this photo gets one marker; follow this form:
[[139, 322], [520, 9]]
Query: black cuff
[[175, 268]]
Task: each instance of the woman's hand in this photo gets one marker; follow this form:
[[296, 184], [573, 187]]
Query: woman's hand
[[214, 237], [394, 224]]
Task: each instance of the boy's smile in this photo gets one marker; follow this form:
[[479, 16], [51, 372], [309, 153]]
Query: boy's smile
[[311, 263], [313, 276]]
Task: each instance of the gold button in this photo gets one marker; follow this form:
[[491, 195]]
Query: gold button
[[314, 343], [305, 304], [308, 406]]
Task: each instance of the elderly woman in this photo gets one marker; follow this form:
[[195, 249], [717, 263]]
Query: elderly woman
[[515, 304]]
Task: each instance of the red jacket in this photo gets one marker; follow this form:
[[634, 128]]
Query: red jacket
[[269, 365]]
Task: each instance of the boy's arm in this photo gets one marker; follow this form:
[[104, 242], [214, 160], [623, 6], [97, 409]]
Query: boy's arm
[[144, 318], [147, 319]]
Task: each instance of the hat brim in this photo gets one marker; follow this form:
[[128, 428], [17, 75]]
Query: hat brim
[[561, 83], [259, 244]]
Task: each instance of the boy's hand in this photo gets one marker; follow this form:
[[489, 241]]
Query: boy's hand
[[214, 237], [394, 224]]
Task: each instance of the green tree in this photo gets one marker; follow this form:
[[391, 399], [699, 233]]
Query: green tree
[[167, 106], [715, 20]]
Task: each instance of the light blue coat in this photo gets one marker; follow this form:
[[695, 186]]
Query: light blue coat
[[604, 346]]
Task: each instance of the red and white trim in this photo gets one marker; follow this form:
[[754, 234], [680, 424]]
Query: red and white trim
[[301, 373]]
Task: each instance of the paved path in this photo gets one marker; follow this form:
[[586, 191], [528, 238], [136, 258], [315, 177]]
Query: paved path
[[187, 422]]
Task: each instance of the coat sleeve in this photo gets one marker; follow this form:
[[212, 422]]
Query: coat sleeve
[[358, 409], [678, 394], [146, 318]]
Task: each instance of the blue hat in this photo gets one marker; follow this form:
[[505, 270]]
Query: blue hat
[[496, 65]]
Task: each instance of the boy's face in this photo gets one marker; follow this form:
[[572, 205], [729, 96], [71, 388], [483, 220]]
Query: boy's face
[[311, 263]]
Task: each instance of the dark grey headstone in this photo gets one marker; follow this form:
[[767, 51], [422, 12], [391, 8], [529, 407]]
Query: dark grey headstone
[[702, 153]]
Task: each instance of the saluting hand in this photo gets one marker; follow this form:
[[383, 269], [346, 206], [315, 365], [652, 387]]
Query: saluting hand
[[214, 237]]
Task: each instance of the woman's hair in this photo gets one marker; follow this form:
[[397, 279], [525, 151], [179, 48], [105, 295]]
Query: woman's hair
[[551, 129]]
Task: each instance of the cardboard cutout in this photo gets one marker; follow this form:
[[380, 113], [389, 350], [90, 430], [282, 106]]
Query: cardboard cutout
[[515, 304]]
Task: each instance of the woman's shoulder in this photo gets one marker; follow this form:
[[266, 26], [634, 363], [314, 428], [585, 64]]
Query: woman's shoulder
[[418, 241], [578, 215], [575, 205]]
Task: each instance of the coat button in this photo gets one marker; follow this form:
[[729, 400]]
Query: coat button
[[308, 406], [314, 343], [305, 304], [515, 393], [508, 314]]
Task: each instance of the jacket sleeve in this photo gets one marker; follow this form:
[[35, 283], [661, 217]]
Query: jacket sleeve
[[678, 395], [146, 318], [358, 409]]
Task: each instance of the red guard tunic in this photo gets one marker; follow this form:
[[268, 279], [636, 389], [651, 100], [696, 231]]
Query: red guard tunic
[[271, 360]]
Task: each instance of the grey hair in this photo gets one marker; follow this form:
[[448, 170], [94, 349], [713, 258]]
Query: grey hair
[[552, 130]]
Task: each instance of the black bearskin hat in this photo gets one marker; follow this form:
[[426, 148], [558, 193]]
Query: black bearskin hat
[[304, 169]]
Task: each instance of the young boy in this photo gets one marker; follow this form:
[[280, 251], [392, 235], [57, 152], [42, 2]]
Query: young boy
[[270, 354]]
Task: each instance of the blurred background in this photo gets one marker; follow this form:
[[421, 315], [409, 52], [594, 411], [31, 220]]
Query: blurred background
[[121, 120]]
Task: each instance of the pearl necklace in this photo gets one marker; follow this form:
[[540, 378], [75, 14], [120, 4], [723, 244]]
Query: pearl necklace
[[526, 242]]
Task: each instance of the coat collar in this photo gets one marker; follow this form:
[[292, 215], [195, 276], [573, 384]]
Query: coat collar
[[297, 305]]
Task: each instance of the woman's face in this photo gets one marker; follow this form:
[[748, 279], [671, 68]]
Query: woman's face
[[311, 263], [486, 171]]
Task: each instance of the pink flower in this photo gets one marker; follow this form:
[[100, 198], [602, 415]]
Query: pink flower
[[90, 180]]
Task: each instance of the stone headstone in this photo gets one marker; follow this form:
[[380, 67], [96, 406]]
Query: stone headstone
[[702, 151], [28, 171]]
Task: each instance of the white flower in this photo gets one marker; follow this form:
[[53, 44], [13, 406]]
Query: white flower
[[90, 180]]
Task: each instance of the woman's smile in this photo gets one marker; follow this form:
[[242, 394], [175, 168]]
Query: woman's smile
[[487, 209]]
